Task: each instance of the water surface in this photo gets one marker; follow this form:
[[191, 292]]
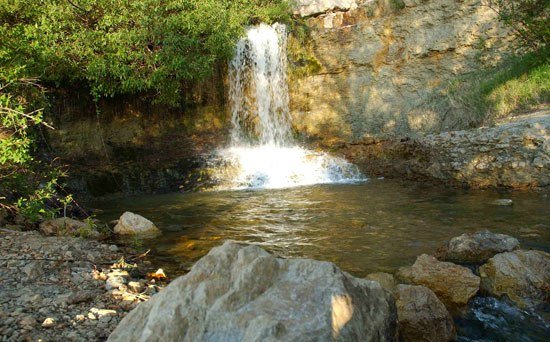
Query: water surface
[[378, 225]]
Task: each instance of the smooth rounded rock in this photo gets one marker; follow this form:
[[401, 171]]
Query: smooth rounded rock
[[421, 316], [477, 248], [242, 293], [130, 223], [454, 285], [48, 323]]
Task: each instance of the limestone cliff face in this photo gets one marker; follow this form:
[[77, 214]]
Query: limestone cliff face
[[384, 64], [131, 145], [513, 154]]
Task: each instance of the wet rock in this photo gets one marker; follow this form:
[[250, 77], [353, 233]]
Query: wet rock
[[242, 293], [421, 316], [522, 276], [130, 223], [454, 285], [476, 248]]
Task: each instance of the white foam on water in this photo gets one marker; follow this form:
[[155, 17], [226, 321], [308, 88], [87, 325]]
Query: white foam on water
[[275, 167]]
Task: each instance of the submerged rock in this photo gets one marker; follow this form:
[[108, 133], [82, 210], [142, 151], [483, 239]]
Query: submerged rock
[[522, 276], [242, 293], [503, 202], [130, 223], [453, 284], [421, 316], [477, 248]]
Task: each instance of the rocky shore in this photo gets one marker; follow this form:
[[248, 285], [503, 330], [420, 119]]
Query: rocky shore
[[240, 292], [63, 288], [513, 154]]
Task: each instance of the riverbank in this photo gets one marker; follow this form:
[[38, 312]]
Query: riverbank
[[513, 154], [66, 288]]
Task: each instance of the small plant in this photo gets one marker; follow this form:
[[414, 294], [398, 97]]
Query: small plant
[[528, 18], [136, 242]]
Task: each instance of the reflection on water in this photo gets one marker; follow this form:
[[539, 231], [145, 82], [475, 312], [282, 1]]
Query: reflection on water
[[363, 228]]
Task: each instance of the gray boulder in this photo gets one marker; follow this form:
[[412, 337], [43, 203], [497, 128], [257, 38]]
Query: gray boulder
[[477, 248], [130, 223], [522, 276], [242, 293], [421, 316]]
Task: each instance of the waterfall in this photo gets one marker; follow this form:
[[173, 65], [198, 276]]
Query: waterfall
[[259, 89], [262, 152]]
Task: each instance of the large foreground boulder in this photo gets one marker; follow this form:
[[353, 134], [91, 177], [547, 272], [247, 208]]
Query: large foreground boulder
[[242, 293], [477, 248], [422, 316], [130, 223], [522, 276], [453, 284]]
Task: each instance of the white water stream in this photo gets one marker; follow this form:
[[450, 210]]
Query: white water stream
[[262, 153]]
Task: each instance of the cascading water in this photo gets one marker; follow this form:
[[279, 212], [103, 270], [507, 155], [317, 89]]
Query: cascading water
[[263, 153]]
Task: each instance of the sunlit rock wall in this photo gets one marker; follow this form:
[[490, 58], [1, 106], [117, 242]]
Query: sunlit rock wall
[[384, 65], [513, 154]]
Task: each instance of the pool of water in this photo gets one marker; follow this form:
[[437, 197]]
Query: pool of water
[[378, 225]]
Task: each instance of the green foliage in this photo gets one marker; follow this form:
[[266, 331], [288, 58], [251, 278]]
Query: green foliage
[[25, 184], [128, 46], [519, 84], [529, 18], [300, 52]]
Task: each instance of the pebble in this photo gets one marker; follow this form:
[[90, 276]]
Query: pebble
[[48, 323], [61, 300]]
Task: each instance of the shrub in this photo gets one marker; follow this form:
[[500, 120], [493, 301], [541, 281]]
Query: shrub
[[128, 46], [529, 18], [26, 184]]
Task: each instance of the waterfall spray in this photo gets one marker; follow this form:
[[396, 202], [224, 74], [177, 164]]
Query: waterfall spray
[[262, 153]]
